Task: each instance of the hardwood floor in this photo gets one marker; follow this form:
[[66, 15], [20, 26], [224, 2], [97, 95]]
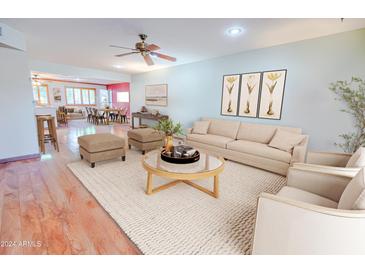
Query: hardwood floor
[[44, 204]]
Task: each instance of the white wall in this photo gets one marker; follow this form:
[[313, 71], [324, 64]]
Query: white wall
[[11, 38], [18, 135]]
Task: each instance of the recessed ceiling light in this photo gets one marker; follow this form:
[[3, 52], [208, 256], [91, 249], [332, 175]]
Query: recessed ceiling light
[[234, 31], [118, 66]]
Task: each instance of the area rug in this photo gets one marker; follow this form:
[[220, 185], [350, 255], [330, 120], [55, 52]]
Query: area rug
[[181, 219]]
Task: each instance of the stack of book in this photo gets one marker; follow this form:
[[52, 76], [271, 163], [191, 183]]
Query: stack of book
[[184, 151]]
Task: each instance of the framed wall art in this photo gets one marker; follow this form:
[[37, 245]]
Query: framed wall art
[[249, 94], [156, 95], [57, 94], [272, 94], [230, 94]]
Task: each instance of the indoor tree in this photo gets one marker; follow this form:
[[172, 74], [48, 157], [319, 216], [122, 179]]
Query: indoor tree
[[352, 93]]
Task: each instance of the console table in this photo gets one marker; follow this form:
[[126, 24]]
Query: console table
[[147, 116]]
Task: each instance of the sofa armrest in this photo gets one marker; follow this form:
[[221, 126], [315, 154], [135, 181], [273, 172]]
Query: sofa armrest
[[286, 226], [300, 151], [189, 130], [329, 185], [328, 158], [345, 171]]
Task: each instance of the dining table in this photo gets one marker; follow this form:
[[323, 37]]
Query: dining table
[[107, 113]]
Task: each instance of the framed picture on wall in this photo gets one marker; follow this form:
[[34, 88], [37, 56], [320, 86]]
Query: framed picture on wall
[[230, 92], [156, 95], [272, 94], [57, 94], [249, 94]]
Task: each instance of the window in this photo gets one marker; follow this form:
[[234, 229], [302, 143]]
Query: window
[[40, 94], [123, 97], [106, 98], [80, 96]]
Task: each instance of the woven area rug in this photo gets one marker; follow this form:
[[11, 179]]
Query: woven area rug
[[181, 219]]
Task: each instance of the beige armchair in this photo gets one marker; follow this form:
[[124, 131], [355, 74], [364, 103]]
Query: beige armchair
[[303, 217], [328, 162]]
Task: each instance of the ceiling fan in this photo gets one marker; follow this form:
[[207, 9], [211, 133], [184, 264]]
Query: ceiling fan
[[146, 50], [36, 81]]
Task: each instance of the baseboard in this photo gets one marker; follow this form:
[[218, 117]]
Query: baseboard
[[19, 158]]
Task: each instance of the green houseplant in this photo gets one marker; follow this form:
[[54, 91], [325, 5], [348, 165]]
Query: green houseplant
[[169, 128], [352, 93]]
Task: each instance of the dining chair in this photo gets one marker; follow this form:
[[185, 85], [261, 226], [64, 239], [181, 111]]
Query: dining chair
[[61, 118], [95, 119], [123, 115], [102, 117]]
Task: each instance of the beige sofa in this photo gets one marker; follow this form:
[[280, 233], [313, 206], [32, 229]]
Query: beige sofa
[[248, 144]]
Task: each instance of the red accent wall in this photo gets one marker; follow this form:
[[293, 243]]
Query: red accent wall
[[115, 88]]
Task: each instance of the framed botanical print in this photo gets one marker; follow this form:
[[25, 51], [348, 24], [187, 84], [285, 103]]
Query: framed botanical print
[[230, 90], [249, 94], [272, 94]]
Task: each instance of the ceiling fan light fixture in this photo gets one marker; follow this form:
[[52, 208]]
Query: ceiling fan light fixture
[[147, 51], [35, 80], [234, 31]]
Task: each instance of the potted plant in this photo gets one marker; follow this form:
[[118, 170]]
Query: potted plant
[[352, 93], [169, 128]]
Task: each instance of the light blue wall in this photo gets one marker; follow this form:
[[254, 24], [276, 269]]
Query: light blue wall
[[195, 89]]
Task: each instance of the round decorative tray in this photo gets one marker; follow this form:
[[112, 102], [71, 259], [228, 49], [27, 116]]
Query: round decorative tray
[[175, 159]]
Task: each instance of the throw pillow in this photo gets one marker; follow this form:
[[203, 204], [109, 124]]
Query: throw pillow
[[353, 197], [285, 140], [201, 127], [357, 159]]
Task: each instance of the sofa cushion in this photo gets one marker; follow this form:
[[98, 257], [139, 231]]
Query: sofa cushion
[[256, 133], [209, 139], [353, 197], [100, 142], [357, 159], [145, 135], [305, 196], [201, 127], [259, 149], [224, 128], [285, 140]]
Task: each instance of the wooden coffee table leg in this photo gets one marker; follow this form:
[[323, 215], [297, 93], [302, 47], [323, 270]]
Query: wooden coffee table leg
[[216, 186], [149, 183]]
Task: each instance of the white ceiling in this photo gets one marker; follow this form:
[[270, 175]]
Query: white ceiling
[[84, 42]]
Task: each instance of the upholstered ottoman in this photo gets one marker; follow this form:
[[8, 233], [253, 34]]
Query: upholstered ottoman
[[101, 147], [145, 139]]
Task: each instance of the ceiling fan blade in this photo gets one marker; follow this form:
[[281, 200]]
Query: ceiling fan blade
[[152, 47], [148, 60], [164, 56], [125, 54], [119, 47]]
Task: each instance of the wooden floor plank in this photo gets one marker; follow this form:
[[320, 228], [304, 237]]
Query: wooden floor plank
[[80, 243], [42, 200], [52, 221], [10, 234], [31, 216]]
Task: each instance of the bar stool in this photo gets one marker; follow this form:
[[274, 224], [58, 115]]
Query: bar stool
[[52, 134]]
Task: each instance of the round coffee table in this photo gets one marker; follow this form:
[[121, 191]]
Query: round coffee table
[[208, 166]]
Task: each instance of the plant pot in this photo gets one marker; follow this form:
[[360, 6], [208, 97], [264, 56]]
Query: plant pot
[[169, 143]]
